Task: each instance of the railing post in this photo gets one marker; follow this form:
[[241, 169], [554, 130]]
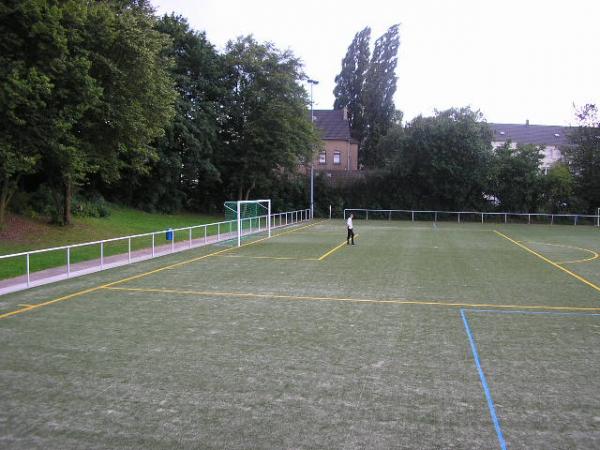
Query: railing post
[[102, 255], [575, 223], [529, 219], [68, 262], [153, 250], [190, 237], [28, 273], [481, 217], [367, 215], [552, 219], [205, 232], [129, 250], [173, 241], [458, 217], [435, 216], [412, 216], [505, 218]]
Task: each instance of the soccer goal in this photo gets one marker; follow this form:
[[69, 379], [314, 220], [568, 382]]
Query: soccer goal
[[249, 216]]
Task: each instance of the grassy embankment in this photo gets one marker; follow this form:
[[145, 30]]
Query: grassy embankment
[[21, 234]]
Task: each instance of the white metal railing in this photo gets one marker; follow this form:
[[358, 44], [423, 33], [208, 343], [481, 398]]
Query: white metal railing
[[189, 237], [471, 216]]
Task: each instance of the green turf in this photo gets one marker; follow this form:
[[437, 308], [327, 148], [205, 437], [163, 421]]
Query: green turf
[[266, 347]]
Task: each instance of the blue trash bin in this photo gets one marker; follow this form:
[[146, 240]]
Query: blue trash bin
[[169, 234]]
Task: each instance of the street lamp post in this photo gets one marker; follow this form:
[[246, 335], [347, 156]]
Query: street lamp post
[[312, 164]]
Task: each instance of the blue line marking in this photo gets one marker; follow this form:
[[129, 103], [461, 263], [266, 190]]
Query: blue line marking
[[486, 389], [552, 313]]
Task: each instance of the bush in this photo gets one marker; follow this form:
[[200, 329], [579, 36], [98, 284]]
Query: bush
[[93, 207]]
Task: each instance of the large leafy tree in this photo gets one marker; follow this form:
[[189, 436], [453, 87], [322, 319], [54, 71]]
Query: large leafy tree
[[583, 156], [349, 83], [94, 87], [440, 162], [47, 88], [23, 90], [131, 64], [516, 178], [267, 130], [558, 189], [378, 95], [185, 173]]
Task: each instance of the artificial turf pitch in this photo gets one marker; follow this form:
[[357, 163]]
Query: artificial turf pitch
[[420, 336]]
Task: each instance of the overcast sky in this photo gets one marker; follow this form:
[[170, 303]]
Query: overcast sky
[[512, 59]]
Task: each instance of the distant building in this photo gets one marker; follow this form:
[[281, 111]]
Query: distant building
[[553, 138], [340, 151]]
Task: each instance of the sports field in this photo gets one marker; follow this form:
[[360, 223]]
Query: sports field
[[421, 335]]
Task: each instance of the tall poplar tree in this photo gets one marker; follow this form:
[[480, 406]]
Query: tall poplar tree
[[350, 81], [378, 95]]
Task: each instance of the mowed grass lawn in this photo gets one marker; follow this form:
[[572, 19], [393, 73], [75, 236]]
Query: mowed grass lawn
[[24, 235], [419, 336]]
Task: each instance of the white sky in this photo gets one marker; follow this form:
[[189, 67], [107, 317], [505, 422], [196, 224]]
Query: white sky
[[512, 59]]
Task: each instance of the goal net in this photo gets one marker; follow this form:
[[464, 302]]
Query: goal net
[[249, 216]]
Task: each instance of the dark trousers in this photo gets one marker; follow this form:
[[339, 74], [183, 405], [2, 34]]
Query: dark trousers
[[350, 235]]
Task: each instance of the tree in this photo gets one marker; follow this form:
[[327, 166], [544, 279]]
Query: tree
[[378, 95], [350, 82], [22, 109], [440, 162], [130, 62], [558, 189], [185, 172], [93, 87], [47, 89], [516, 178], [267, 129], [583, 156]]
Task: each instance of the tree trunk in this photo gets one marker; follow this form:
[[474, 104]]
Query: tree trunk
[[4, 197], [252, 186], [67, 205]]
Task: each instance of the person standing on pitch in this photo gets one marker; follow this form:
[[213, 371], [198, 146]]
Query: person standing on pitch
[[350, 227]]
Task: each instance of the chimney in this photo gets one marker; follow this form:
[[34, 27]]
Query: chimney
[[345, 110]]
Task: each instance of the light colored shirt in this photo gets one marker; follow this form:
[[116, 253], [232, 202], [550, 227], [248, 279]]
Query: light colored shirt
[[349, 223]]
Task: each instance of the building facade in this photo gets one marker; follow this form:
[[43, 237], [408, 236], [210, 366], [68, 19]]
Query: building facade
[[551, 137], [340, 151]]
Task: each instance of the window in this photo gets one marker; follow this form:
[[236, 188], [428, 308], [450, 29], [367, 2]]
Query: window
[[337, 158], [322, 158]]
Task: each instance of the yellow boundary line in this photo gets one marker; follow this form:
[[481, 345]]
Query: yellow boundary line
[[549, 261], [335, 249], [145, 274], [352, 300], [576, 261]]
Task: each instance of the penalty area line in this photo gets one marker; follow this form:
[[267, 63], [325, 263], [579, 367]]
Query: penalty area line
[[335, 249], [549, 261]]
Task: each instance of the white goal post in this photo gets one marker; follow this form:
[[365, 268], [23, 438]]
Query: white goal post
[[240, 209]]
